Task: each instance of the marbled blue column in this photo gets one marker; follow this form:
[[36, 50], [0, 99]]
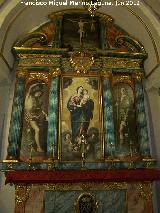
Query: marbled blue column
[[53, 118], [141, 120], [108, 119], [16, 119]]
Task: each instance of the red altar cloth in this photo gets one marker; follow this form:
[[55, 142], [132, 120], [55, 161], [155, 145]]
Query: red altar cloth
[[69, 176]]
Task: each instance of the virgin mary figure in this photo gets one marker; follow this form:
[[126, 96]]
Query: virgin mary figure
[[81, 108]]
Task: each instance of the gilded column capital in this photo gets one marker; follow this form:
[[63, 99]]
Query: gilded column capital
[[138, 76], [106, 74], [55, 72], [21, 73], [122, 78]]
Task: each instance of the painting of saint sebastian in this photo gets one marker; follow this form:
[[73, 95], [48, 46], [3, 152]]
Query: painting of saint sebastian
[[81, 108]]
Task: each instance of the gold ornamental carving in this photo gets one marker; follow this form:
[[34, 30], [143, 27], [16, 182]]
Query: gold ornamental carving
[[59, 187], [81, 61], [115, 185], [38, 76], [122, 78], [21, 73], [55, 72], [22, 193], [39, 60], [86, 186], [145, 190], [110, 62], [138, 76]]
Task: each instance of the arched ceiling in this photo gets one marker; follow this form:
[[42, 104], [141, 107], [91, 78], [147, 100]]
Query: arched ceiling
[[17, 19]]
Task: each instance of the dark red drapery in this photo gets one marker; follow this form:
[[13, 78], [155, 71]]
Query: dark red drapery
[[69, 176]]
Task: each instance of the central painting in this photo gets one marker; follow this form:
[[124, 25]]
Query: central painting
[[81, 119]]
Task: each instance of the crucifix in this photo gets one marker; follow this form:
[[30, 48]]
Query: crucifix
[[81, 31]]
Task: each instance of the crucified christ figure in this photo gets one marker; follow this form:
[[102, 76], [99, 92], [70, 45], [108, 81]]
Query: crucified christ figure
[[81, 30]]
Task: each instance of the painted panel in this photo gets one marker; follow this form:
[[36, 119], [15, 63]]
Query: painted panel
[[35, 122], [124, 119], [81, 116]]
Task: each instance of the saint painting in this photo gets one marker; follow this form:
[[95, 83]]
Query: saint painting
[[35, 121], [124, 117], [81, 118]]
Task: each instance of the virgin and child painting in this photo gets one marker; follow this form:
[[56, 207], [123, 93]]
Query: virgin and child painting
[[35, 122], [124, 120], [80, 118]]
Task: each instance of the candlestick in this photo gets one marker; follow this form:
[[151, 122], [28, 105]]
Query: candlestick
[[131, 151], [83, 151], [53, 156], [53, 151], [111, 146], [31, 150], [30, 155]]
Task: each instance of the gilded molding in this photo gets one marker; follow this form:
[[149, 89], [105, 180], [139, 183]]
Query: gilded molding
[[86, 186], [122, 78], [39, 60], [97, 64], [110, 62], [38, 75], [115, 185], [41, 37]]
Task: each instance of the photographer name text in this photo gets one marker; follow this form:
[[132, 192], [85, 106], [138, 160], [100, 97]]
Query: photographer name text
[[79, 3]]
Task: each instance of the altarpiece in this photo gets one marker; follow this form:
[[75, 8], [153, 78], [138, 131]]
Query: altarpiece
[[78, 138]]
